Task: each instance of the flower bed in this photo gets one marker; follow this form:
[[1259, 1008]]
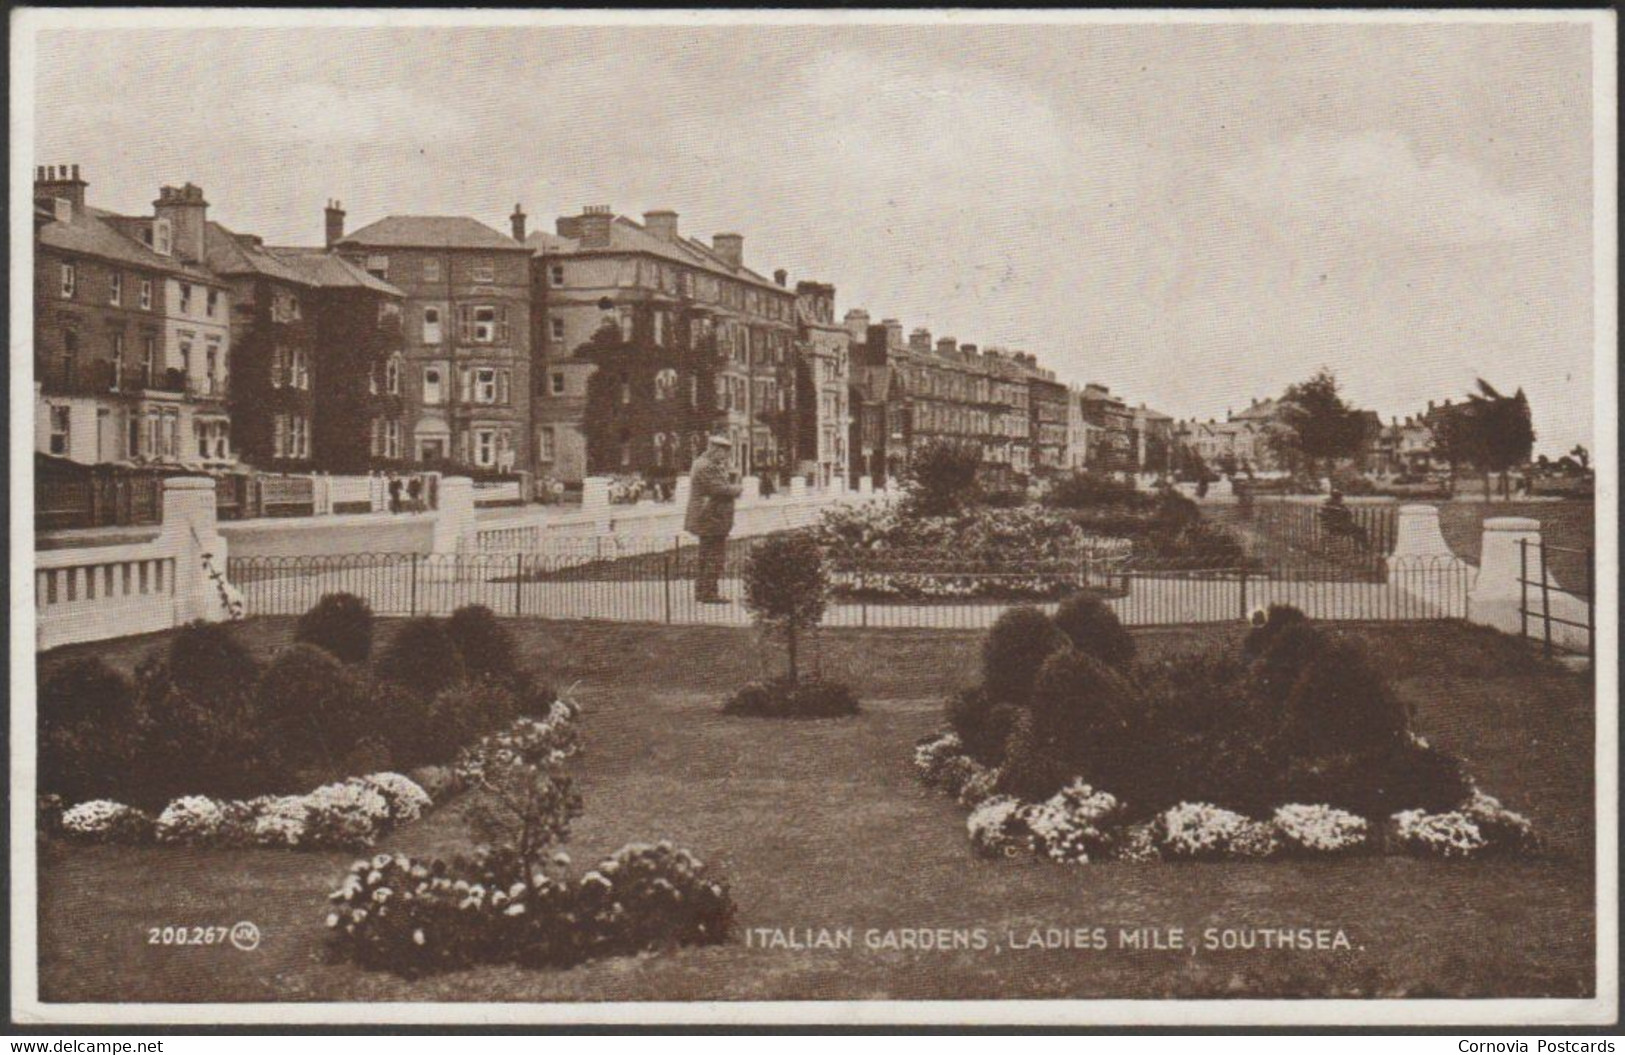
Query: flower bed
[[880, 551], [1080, 824]]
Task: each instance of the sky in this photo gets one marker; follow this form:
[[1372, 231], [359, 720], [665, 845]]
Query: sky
[[1193, 215]]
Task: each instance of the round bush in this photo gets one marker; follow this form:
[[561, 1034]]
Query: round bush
[[1015, 647], [783, 698], [485, 645], [1087, 714], [311, 704], [983, 724], [1277, 619], [90, 731], [1094, 629], [1380, 782], [1032, 770], [207, 661], [1288, 654], [1339, 701], [462, 713], [341, 623], [423, 657]]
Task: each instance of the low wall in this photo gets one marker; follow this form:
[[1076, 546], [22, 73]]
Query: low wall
[[331, 536]]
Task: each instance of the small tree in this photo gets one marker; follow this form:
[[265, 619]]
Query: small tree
[[1321, 427], [341, 623], [942, 478], [1502, 433], [787, 589]]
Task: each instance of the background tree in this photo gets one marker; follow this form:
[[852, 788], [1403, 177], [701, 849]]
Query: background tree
[[942, 478], [1503, 434], [1321, 427], [1581, 456], [786, 590]]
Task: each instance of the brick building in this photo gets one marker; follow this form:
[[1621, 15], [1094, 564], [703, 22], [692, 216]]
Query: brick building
[[1047, 406], [648, 339], [823, 384], [1111, 444], [465, 319], [132, 351]]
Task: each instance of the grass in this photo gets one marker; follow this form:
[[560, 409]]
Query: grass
[[822, 824], [1570, 525]]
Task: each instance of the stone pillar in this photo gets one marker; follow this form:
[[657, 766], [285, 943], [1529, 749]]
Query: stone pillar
[[454, 519], [191, 534], [1500, 560], [1418, 534], [681, 491], [595, 496], [866, 485], [750, 489], [798, 487]]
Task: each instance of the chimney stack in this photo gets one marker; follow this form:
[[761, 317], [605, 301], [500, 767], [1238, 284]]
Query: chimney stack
[[857, 324], [60, 181], [334, 222], [730, 247], [594, 226], [187, 214], [894, 333], [662, 223], [948, 347], [919, 340], [517, 219], [782, 277]]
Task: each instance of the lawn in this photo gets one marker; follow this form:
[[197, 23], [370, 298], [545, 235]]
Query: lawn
[[1569, 524], [822, 824]]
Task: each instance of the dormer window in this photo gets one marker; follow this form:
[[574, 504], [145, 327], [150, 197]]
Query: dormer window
[[160, 236]]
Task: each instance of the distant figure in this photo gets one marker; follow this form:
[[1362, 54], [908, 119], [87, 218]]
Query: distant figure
[[394, 493], [710, 515], [414, 491]]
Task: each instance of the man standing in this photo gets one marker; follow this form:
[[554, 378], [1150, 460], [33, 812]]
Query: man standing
[[710, 515]]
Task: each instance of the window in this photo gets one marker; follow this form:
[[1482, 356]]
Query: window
[[666, 384], [483, 323], [392, 376], [200, 432], [659, 318], [132, 437], [118, 359], [378, 266], [172, 434], [116, 294], [483, 273], [626, 389], [431, 269], [70, 355], [212, 303], [557, 381], [186, 297], [70, 280], [433, 386], [149, 358], [485, 447], [160, 236], [146, 293], [485, 385], [556, 274], [299, 446], [431, 326], [59, 430], [211, 366], [557, 326], [546, 444]]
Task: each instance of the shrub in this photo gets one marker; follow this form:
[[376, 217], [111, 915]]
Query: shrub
[[90, 730], [1075, 825], [192, 819], [341, 623], [1095, 630], [1032, 768], [485, 646], [786, 589], [207, 661], [1319, 829], [1379, 782], [998, 828], [1285, 656], [422, 656], [346, 815], [462, 713], [1267, 626], [783, 698], [1085, 489], [941, 478], [1201, 831], [1088, 715], [982, 723], [645, 897], [311, 704], [1015, 647], [1339, 702], [197, 741]]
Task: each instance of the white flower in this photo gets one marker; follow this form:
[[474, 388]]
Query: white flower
[[1200, 829], [194, 818], [417, 936], [1320, 829]]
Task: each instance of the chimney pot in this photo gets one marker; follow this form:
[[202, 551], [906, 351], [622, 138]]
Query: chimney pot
[[730, 247], [334, 222], [781, 276], [518, 222], [662, 223], [594, 226]]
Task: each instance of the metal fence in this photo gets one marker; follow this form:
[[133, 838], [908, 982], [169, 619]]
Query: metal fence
[[1562, 621], [99, 500], [1326, 542], [652, 581]]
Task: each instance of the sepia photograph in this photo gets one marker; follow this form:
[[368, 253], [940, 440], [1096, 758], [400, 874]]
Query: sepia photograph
[[769, 518]]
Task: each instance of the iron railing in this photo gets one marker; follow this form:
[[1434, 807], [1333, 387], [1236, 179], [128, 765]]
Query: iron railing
[[1563, 621], [652, 581]]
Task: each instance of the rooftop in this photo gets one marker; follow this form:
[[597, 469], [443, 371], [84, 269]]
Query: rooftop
[[629, 236], [430, 232], [92, 232]]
